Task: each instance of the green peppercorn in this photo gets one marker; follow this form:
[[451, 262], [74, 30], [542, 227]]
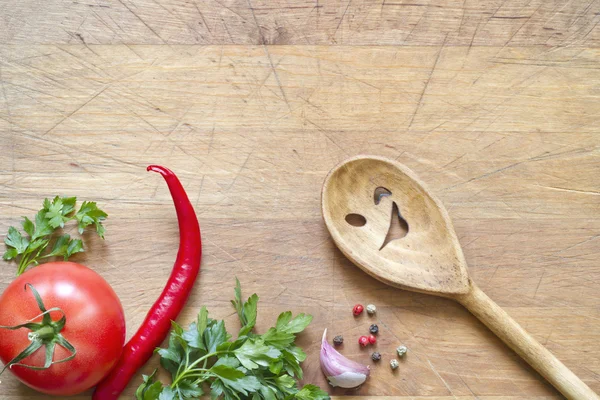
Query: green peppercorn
[[371, 309], [338, 340], [374, 329], [376, 356], [401, 350], [394, 363]]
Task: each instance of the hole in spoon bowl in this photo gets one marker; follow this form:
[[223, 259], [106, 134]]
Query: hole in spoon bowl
[[398, 226], [380, 193], [356, 220]]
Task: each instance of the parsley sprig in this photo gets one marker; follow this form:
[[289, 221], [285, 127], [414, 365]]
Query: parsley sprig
[[252, 366], [30, 248]]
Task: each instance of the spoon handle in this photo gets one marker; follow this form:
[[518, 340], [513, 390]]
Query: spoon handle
[[499, 322]]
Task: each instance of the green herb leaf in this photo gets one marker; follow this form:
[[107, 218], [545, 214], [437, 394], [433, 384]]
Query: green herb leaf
[[249, 313], [149, 389], [261, 367], [278, 338], [296, 325], [235, 379], [16, 240], [237, 301], [28, 226], [89, 214], [29, 250], [267, 392], [187, 390], [56, 212], [228, 361], [171, 357], [285, 382], [193, 337], [166, 394], [227, 372], [216, 389], [276, 368], [75, 246], [283, 319], [311, 392], [10, 254], [202, 321], [42, 226], [255, 353], [60, 245], [65, 246], [215, 335]]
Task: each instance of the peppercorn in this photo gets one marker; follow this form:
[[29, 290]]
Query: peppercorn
[[376, 356], [357, 309], [363, 341], [338, 340], [394, 363], [401, 350], [372, 339], [374, 329], [371, 309]]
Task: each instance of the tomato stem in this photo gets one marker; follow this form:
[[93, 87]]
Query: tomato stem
[[45, 333]]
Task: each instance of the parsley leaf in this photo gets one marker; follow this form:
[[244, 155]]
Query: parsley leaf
[[278, 339], [311, 392], [42, 225], [89, 214], [149, 389], [65, 246], [252, 366], [16, 240], [28, 226], [255, 353], [28, 248], [296, 325], [57, 211], [214, 335]]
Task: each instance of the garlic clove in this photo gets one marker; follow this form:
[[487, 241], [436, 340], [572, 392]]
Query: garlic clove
[[339, 370]]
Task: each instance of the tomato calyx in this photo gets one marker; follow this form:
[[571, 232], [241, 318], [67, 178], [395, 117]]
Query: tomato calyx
[[45, 333]]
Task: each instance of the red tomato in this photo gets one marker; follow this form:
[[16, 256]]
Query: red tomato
[[95, 326]]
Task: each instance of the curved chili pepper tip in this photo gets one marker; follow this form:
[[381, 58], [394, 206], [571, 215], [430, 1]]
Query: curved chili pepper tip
[[160, 169]]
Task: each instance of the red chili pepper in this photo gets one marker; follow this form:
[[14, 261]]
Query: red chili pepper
[[157, 324]]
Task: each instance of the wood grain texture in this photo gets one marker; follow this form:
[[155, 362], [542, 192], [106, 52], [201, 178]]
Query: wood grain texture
[[305, 22], [506, 136]]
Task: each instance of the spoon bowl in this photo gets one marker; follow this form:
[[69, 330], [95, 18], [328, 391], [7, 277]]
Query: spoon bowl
[[386, 221], [427, 259]]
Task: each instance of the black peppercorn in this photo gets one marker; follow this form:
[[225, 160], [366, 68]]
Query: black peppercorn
[[374, 329], [338, 340], [376, 356]]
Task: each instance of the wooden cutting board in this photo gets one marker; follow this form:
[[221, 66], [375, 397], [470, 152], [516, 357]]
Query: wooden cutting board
[[494, 105]]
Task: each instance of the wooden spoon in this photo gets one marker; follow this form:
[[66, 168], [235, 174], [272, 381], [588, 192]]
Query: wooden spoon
[[419, 251]]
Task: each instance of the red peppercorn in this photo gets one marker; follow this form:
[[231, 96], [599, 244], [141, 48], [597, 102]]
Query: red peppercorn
[[357, 309], [363, 341], [372, 339]]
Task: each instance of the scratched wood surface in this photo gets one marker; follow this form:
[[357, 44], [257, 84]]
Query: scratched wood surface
[[494, 104]]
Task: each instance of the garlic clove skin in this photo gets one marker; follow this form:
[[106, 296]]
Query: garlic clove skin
[[347, 380], [339, 370]]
